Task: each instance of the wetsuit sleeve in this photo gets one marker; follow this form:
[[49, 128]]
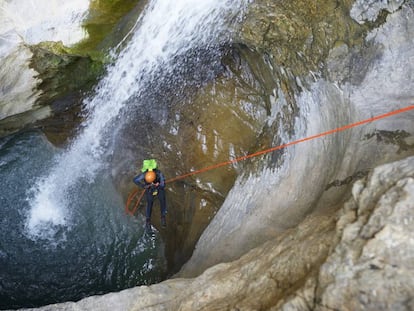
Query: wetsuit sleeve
[[138, 180]]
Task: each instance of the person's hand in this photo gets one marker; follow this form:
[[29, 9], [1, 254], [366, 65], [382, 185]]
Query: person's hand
[[157, 184]]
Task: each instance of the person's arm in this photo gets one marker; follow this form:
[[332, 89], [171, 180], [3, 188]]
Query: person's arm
[[138, 180], [162, 180]]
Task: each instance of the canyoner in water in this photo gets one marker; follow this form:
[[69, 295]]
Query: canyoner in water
[[153, 181]]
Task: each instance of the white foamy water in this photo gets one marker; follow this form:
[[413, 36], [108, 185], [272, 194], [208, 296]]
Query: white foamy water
[[44, 217], [166, 28]]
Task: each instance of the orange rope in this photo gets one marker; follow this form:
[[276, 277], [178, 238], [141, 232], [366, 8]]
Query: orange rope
[[129, 200], [131, 196], [259, 153]]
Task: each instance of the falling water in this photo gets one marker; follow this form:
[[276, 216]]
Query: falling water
[[165, 30], [70, 238]]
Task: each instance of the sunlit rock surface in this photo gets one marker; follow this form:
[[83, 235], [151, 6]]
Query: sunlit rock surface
[[18, 81], [364, 10], [51, 55], [22, 24], [372, 267]]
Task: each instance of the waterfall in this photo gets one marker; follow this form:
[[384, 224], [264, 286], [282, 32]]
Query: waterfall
[[166, 29], [61, 213]]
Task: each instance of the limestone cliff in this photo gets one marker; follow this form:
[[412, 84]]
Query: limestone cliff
[[358, 76]]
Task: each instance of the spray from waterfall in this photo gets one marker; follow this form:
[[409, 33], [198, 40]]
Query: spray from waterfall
[[166, 29]]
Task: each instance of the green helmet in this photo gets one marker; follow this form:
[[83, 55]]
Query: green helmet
[[149, 165]]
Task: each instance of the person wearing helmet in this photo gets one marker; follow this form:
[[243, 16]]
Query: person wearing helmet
[[153, 181]]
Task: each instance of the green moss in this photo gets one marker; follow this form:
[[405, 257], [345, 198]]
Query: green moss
[[103, 17], [66, 74], [61, 71], [65, 69]]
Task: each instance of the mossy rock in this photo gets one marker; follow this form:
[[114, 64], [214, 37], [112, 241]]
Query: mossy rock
[[61, 72]]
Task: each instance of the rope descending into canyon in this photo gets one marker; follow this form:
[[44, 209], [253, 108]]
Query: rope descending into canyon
[[259, 153]]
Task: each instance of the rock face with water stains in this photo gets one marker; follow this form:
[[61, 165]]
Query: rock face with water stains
[[256, 90], [353, 65]]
